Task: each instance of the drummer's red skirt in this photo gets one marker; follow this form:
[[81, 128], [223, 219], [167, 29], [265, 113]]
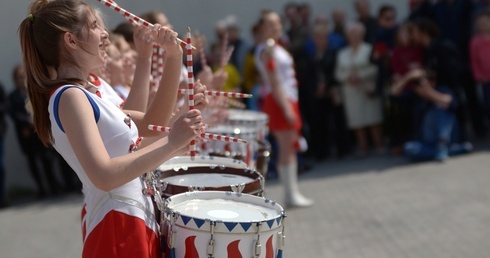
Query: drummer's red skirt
[[277, 120]]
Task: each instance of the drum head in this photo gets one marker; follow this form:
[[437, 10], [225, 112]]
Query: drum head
[[185, 162], [225, 207], [208, 179], [181, 174]]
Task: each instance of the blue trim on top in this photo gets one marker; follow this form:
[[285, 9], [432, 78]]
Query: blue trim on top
[[94, 105]]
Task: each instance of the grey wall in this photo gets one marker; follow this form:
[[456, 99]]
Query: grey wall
[[200, 15]]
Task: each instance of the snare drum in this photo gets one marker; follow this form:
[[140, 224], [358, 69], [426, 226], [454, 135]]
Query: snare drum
[[246, 152], [222, 224], [249, 118], [205, 173]]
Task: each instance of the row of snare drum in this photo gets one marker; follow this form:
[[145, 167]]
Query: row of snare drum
[[214, 205]]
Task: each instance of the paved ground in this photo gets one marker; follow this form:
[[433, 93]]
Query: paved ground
[[377, 207]]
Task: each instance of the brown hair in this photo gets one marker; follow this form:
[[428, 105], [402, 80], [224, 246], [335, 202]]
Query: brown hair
[[41, 36]]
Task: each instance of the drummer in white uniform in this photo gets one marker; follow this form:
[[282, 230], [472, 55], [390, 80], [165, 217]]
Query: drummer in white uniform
[[61, 42]]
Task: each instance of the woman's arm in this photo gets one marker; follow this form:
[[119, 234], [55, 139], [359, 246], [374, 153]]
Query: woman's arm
[[138, 95], [105, 172]]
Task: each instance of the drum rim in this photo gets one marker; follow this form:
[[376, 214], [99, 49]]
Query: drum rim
[[253, 187], [206, 159], [277, 221]]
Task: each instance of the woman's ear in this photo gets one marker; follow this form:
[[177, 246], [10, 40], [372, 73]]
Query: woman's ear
[[69, 40]]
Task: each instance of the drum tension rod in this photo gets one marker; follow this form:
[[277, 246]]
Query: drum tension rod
[[171, 239], [210, 248], [258, 246]]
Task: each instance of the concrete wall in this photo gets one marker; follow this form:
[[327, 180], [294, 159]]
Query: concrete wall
[[200, 15]]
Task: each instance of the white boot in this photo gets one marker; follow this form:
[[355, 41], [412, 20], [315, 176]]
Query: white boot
[[289, 177]]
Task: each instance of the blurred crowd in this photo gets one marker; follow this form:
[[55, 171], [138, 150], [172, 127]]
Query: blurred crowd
[[378, 84], [381, 84]]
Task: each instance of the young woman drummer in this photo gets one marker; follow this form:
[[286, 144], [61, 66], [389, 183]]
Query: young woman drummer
[[61, 42]]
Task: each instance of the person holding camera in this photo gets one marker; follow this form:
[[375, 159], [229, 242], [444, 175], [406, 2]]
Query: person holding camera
[[435, 111]]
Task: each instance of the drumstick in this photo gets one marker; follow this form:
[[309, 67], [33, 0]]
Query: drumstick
[[210, 136], [221, 93], [159, 128], [222, 138], [190, 86], [154, 67], [133, 18]]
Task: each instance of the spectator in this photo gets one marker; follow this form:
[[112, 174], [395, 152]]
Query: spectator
[[239, 44], [442, 57], [406, 56], [438, 136], [358, 77], [337, 37], [480, 57], [363, 10], [29, 142], [383, 46], [297, 33], [326, 128], [454, 20]]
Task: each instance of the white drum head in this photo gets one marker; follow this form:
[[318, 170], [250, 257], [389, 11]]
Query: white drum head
[[224, 210], [208, 179], [225, 207], [185, 162]]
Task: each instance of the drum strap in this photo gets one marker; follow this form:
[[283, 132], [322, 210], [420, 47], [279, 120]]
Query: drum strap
[[123, 199]]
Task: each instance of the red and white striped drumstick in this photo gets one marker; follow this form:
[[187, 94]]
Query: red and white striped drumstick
[[222, 94], [223, 138], [190, 85], [159, 128], [131, 17], [154, 67], [210, 136], [160, 63]]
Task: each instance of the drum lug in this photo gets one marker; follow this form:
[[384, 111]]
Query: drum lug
[[238, 188], [258, 249], [210, 248], [195, 188]]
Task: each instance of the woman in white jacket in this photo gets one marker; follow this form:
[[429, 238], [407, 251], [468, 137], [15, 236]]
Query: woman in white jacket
[[358, 78]]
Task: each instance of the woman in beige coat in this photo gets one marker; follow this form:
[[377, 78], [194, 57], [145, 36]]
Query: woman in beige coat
[[358, 78]]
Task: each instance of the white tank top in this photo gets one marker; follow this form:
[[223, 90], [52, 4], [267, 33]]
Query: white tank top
[[284, 66], [117, 137]]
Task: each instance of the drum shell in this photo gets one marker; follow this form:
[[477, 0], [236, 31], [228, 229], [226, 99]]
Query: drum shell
[[192, 236]]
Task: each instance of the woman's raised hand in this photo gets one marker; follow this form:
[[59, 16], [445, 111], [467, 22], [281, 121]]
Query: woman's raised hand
[[186, 128], [167, 39], [144, 38]]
